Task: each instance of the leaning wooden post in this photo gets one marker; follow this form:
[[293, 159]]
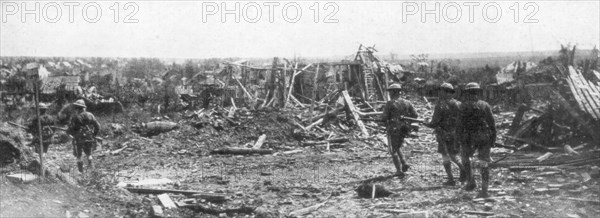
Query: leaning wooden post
[[314, 94], [283, 86], [39, 126], [386, 95], [291, 85]]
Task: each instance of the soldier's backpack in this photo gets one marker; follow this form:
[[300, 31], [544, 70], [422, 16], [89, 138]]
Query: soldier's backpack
[[475, 114], [47, 132], [87, 132]]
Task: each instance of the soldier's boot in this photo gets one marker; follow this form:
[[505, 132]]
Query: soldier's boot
[[470, 186], [405, 166], [450, 181], [80, 166], [397, 165], [485, 179], [90, 163], [463, 175]]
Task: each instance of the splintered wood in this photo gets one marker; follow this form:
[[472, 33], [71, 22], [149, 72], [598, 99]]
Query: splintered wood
[[355, 115], [260, 141]]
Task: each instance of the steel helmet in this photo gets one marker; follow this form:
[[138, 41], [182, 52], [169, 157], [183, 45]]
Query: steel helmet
[[447, 86], [394, 86], [42, 106], [80, 103], [472, 86]]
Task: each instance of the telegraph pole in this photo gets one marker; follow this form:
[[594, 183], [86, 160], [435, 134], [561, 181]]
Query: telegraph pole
[[35, 77]]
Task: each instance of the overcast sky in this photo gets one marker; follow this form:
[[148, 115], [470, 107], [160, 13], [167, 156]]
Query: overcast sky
[[177, 29]]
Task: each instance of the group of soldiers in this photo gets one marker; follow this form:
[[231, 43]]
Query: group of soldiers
[[460, 128], [83, 128]]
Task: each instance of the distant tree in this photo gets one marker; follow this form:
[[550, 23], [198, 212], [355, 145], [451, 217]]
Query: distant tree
[[190, 69], [143, 67]]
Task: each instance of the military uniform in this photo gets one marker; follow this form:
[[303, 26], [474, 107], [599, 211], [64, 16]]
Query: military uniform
[[445, 116], [477, 131], [84, 127], [46, 121], [398, 129]]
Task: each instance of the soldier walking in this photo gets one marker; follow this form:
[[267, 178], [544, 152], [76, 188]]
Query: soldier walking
[[397, 128], [47, 122], [445, 116], [84, 128], [477, 130]]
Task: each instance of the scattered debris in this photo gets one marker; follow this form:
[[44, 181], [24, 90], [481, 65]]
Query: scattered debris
[[146, 182], [369, 190], [22, 178], [166, 201]]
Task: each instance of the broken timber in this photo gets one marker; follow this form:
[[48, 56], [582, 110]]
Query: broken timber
[[260, 141], [215, 198], [166, 201], [307, 210], [355, 115], [242, 151], [162, 191]]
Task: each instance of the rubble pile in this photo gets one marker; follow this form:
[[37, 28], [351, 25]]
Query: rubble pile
[[273, 144], [12, 147], [563, 107]]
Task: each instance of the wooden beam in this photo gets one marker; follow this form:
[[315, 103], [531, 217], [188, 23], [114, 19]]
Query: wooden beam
[[245, 91], [241, 151], [260, 141], [314, 92], [355, 115], [160, 191]]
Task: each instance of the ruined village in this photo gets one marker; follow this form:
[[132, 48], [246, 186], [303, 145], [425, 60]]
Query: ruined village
[[293, 137]]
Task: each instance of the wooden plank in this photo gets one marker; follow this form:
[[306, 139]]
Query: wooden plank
[[241, 151], [160, 191], [290, 86], [314, 92], [157, 211], [245, 91], [260, 141], [588, 100], [582, 83], [211, 197], [166, 201], [355, 115], [593, 92], [294, 78], [575, 115], [304, 211], [575, 92], [582, 87]]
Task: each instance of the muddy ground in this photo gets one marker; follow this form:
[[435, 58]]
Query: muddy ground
[[282, 183]]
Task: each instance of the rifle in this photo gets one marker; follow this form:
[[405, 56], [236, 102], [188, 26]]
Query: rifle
[[53, 127], [401, 118]]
